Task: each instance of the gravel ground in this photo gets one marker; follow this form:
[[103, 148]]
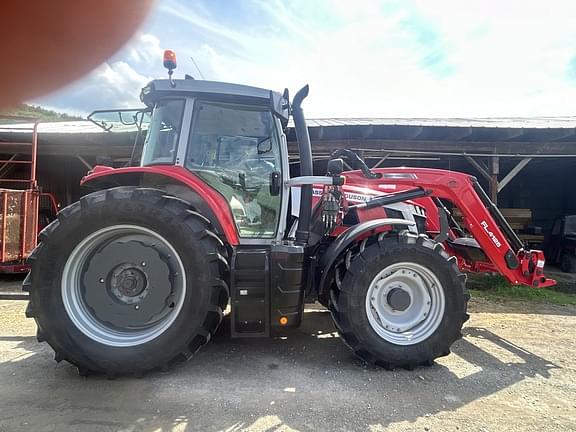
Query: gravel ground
[[514, 370]]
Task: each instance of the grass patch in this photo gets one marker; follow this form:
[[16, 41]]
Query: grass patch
[[497, 288]]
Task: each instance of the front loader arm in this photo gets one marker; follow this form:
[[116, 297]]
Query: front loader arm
[[481, 217]]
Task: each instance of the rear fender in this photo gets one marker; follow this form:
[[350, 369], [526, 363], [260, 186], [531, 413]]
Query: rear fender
[[176, 181], [347, 239]]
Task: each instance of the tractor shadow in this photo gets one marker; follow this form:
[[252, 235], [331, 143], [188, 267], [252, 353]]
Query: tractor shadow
[[301, 379], [313, 358]]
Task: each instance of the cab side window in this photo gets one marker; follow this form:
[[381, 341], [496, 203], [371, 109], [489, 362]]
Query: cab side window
[[235, 149], [163, 133]]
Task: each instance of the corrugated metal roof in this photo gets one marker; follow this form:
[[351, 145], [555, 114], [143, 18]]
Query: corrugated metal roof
[[84, 126], [65, 127], [499, 122]]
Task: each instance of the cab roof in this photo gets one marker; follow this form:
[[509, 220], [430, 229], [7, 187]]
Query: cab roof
[[225, 92]]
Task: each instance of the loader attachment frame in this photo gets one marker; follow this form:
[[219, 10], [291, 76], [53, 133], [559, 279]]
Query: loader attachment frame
[[481, 218]]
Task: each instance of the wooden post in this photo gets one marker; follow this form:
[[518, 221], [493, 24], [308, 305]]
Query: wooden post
[[494, 171]]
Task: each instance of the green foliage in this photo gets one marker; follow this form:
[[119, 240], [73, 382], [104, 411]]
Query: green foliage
[[38, 112], [496, 287]]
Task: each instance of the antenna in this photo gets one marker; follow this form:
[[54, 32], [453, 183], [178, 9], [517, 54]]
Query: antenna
[[195, 64]]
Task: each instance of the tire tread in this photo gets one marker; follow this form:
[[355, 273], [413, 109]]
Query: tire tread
[[204, 233], [356, 260]]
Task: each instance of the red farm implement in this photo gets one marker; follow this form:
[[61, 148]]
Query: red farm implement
[[20, 196]]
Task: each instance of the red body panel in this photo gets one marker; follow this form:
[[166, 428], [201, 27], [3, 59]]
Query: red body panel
[[455, 187], [458, 188], [29, 229], [217, 203]]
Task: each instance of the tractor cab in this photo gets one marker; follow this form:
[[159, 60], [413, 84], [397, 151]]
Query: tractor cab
[[231, 137]]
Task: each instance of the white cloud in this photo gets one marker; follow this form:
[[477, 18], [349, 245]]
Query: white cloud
[[145, 49], [364, 58]]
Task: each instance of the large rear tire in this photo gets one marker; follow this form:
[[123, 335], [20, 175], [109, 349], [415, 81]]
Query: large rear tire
[[127, 280], [399, 301]]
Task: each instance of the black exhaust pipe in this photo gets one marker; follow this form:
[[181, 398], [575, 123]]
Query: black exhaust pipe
[[306, 168]]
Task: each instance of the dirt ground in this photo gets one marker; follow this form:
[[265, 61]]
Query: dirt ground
[[514, 370]]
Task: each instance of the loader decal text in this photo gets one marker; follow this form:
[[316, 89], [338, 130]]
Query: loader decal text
[[490, 234], [350, 196]]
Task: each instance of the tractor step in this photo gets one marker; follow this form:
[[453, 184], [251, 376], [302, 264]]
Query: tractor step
[[250, 292]]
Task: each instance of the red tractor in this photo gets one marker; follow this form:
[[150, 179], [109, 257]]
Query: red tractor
[[137, 274]]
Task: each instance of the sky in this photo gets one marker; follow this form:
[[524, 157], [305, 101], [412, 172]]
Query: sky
[[361, 58]]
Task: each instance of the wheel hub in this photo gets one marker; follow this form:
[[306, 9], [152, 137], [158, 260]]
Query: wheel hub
[[404, 303], [398, 299], [124, 294], [129, 283]]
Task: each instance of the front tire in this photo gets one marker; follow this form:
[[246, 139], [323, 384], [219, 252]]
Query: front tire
[[401, 301], [127, 280]]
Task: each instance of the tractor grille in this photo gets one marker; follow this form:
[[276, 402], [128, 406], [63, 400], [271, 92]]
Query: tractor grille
[[395, 214]]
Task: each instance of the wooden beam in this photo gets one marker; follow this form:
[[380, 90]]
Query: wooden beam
[[367, 132], [377, 165], [5, 168], [551, 134], [316, 133], [447, 133], [408, 132], [511, 134], [513, 173], [482, 170], [86, 164], [512, 148]]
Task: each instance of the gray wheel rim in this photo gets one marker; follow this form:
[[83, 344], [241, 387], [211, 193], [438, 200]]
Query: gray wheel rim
[[160, 296], [405, 303]]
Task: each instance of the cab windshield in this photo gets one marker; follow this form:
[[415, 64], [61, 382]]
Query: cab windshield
[[163, 134]]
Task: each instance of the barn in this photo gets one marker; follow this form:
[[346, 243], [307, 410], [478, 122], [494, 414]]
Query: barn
[[526, 165]]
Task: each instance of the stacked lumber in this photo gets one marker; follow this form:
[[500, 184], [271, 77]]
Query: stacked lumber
[[518, 218]]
